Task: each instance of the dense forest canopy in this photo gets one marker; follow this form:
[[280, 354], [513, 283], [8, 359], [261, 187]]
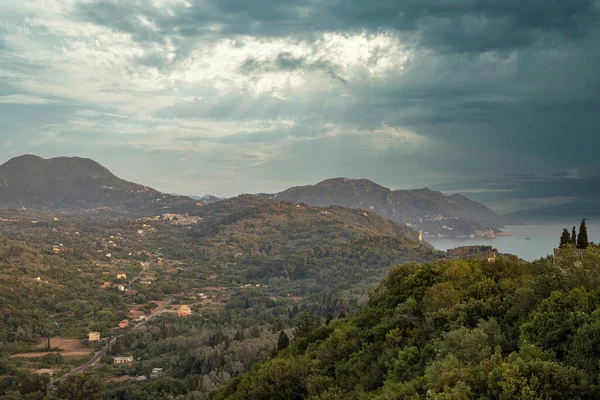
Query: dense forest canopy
[[450, 330]]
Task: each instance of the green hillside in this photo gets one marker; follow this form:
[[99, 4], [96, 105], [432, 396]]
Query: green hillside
[[450, 330]]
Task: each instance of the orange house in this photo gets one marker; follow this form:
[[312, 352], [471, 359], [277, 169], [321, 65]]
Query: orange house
[[124, 324], [184, 311]]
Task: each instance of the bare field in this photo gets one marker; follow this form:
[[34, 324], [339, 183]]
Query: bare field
[[71, 348]]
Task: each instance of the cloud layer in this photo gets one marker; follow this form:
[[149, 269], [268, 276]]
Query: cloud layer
[[229, 96]]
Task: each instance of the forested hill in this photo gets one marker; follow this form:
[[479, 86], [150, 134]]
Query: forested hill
[[333, 245], [449, 330], [333, 221], [425, 209], [76, 183]]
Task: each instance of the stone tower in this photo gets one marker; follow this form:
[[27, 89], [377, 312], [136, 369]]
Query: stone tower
[[420, 235]]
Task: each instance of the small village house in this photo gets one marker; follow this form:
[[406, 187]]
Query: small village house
[[184, 311], [121, 288], [123, 360], [124, 324], [94, 336], [136, 315], [491, 256], [157, 373], [122, 275]]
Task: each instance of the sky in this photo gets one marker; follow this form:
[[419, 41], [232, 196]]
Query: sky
[[497, 99]]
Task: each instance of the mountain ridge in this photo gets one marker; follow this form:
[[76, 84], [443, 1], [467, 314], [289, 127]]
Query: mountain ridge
[[436, 214]]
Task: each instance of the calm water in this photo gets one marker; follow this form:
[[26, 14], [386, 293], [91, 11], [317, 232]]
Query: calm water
[[530, 242]]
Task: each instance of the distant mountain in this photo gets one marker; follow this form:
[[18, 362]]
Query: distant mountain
[[206, 199], [578, 209], [431, 211], [75, 183]]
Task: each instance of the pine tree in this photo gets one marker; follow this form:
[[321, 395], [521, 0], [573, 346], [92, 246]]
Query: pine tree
[[565, 239], [582, 239], [574, 237], [283, 341], [342, 314]]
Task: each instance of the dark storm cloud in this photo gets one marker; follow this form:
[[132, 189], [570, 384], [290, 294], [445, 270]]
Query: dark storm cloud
[[459, 25]]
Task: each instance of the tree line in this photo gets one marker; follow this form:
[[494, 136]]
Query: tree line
[[574, 239]]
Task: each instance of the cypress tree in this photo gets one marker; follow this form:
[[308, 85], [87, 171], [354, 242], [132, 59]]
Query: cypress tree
[[283, 341], [582, 239], [565, 239], [329, 318], [574, 237]]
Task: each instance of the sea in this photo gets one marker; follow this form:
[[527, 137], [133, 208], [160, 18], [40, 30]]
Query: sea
[[532, 241]]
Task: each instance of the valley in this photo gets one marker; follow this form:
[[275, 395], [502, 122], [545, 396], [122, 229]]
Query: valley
[[246, 268], [98, 290]]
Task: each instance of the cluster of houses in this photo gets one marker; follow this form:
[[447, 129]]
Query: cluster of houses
[[119, 286], [182, 219]]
